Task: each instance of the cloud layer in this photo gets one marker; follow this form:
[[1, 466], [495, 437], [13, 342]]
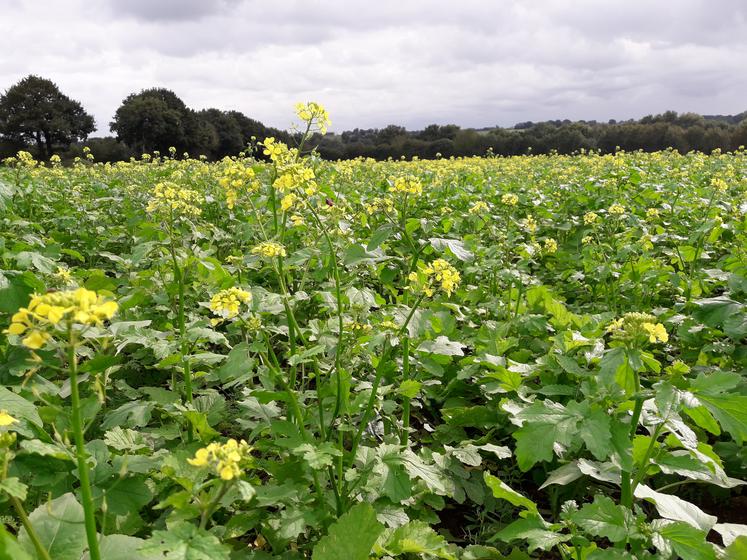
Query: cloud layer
[[412, 62]]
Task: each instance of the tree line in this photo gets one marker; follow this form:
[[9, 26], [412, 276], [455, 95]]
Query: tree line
[[36, 115]]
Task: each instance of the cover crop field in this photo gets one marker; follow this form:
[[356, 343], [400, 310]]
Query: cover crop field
[[274, 356]]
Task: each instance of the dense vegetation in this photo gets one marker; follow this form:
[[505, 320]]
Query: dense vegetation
[[480, 358], [156, 119]]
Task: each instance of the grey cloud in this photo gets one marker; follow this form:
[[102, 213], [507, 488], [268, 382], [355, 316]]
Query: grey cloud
[[410, 62]]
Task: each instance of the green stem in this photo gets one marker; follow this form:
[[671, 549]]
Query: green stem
[[81, 453], [210, 509], [626, 486], [30, 531], [186, 368]]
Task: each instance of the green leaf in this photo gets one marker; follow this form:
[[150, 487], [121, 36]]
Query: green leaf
[[605, 519], [454, 245], [409, 388], [615, 369], [351, 537], [534, 531], [724, 313], [503, 491], [9, 547], [731, 413], [18, 407], [379, 236], [14, 487], [318, 456], [123, 547], [417, 537], [238, 364], [534, 444], [60, 527], [595, 431], [688, 542], [442, 346], [676, 509], [736, 550], [200, 423], [185, 541]]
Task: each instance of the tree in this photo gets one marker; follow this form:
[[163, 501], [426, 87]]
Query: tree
[[154, 119], [35, 110], [230, 138]]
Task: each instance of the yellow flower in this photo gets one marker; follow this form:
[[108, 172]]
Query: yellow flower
[[48, 311], [407, 185], [6, 419], [269, 249], [297, 220], [478, 207], [657, 332], [551, 246], [510, 199], [288, 201], [168, 198], [719, 185], [652, 213], [438, 274], [616, 209], [225, 460], [237, 177], [587, 240], [314, 115], [590, 218], [530, 224], [227, 303], [35, 340]]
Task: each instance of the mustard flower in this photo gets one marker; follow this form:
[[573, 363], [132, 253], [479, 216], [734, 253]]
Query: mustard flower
[[49, 311], [227, 303], [225, 460], [510, 199], [590, 218], [269, 249]]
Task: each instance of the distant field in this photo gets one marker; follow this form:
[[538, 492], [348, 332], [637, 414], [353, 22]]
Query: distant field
[[414, 359]]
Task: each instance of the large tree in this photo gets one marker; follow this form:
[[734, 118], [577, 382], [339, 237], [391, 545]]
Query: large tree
[[154, 119], [35, 110]]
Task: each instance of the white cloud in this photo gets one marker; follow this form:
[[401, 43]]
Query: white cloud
[[410, 62]]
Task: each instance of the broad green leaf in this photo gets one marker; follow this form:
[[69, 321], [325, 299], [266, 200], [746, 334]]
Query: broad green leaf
[[409, 388], [676, 509], [379, 236], [14, 487], [736, 550], [502, 491], [688, 542], [18, 407], [534, 531], [122, 547], [442, 346], [9, 547], [605, 519], [185, 541], [60, 527], [417, 537], [594, 429], [351, 537]]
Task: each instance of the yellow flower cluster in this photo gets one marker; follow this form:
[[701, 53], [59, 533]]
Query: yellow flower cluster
[[652, 213], [616, 209], [227, 303], [276, 151], [288, 201], [551, 246], [478, 207], [47, 311], [269, 249], [587, 240], [170, 198], [296, 220], [225, 460], [236, 178], [656, 332], [510, 199], [407, 185], [590, 218], [377, 204], [530, 224], [6, 419], [440, 274], [314, 115], [719, 185], [638, 327]]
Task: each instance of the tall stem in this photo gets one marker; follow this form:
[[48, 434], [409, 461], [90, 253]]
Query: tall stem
[[30, 531], [81, 453], [183, 345]]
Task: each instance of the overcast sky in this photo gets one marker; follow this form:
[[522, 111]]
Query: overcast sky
[[378, 62]]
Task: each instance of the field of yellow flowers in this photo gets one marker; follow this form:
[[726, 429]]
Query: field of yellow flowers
[[278, 357]]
